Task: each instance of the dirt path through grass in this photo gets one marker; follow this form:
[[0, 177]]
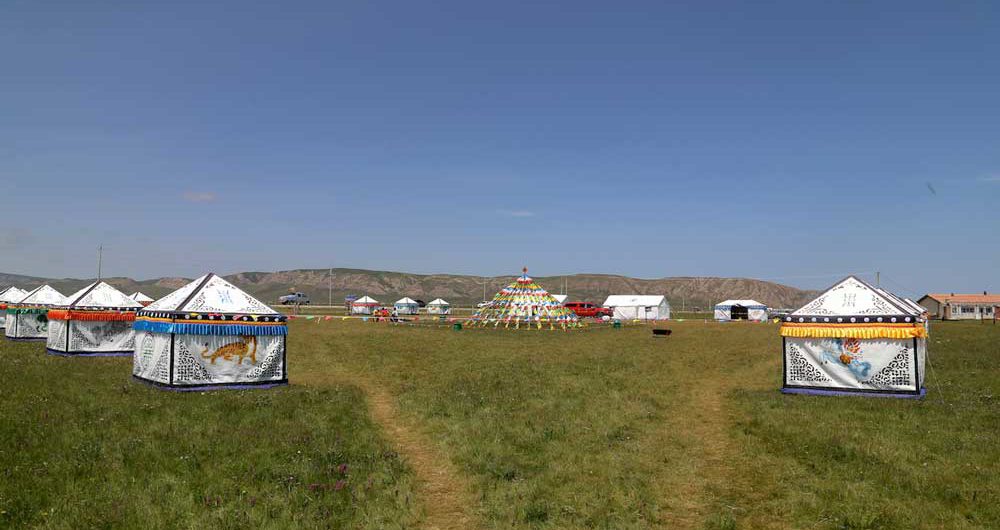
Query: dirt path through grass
[[445, 494], [702, 433]]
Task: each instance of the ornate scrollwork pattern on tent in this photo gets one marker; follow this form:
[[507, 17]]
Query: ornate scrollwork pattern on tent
[[896, 374], [800, 369]]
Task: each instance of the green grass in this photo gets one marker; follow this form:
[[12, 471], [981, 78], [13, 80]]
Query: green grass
[[82, 446], [599, 428]]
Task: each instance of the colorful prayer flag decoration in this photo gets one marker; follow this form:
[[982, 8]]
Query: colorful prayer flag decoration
[[524, 303]]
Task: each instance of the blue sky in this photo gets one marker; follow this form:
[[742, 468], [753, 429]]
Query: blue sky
[[795, 141]]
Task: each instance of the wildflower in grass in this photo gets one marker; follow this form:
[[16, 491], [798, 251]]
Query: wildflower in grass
[[342, 469], [339, 485]]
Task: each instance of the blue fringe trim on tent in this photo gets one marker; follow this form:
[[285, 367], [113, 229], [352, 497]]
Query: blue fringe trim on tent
[[208, 329]]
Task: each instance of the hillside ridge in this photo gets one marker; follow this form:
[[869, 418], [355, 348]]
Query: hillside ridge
[[683, 292]]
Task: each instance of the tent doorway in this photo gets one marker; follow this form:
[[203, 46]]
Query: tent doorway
[[738, 312]]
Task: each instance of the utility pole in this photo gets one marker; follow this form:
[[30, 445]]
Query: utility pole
[[877, 278], [100, 260], [329, 279]]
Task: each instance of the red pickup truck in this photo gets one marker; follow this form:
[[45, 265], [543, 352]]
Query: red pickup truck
[[587, 309]]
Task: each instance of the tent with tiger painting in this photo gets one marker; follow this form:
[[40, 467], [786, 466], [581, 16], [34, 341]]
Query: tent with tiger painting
[[209, 334], [96, 321], [855, 339]]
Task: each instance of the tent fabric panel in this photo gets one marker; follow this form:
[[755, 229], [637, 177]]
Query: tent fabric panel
[[29, 326], [881, 365], [100, 337], [56, 339], [214, 359], [151, 360]]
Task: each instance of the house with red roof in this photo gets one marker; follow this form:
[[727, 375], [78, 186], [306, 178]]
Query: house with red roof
[[962, 306]]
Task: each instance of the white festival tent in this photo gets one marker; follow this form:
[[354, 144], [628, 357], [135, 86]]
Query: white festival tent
[[406, 306], [28, 319], [438, 306], [365, 305], [638, 307], [96, 320], [210, 334], [740, 310], [855, 338], [8, 295], [141, 298]]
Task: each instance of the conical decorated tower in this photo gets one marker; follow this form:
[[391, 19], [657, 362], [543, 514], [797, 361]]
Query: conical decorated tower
[[524, 303]]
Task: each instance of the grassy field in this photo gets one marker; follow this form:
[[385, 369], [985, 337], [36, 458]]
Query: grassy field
[[599, 428]]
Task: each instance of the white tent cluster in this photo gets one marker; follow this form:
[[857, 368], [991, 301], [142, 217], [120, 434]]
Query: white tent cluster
[[209, 334], [638, 306], [96, 320], [27, 318], [855, 338], [740, 310]]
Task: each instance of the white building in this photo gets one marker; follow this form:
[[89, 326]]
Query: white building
[[639, 306], [961, 306]]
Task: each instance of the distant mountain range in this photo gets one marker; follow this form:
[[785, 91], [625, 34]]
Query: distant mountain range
[[682, 292]]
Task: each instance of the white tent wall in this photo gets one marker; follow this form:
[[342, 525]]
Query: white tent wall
[[193, 363], [31, 326], [152, 357], [889, 365], [90, 337]]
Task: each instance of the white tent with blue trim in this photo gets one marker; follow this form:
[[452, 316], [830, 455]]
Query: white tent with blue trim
[[210, 334]]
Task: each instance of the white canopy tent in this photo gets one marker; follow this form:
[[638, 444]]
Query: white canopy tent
[[639, 307], [28, 318], [740, 310], [96, 320], [406, 306], [365, 305], [141, 298], [8, 295], [438, 307], [855, 338], [210, 334]]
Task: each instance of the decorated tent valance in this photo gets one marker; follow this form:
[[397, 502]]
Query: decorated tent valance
[[206, 327], [104, 315], [854, 331], [19, 310]]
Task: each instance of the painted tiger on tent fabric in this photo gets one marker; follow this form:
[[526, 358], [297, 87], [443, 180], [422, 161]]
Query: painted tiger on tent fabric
[[240, 348]]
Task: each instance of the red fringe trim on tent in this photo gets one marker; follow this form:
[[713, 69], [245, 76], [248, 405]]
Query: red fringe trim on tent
[[119, 316]]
